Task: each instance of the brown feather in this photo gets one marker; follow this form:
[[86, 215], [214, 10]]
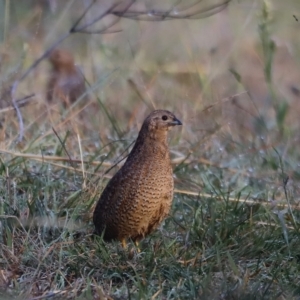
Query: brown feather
[[139, 196]]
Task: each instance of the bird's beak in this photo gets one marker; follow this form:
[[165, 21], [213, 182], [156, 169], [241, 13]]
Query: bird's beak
[[175, 122]]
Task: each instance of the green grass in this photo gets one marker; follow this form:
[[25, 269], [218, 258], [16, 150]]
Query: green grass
[[233, 230]]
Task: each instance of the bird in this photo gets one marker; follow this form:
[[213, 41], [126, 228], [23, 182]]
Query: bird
[[139, 196], [66, 81]]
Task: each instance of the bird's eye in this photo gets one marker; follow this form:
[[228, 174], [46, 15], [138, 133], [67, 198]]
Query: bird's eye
[[165, 118]]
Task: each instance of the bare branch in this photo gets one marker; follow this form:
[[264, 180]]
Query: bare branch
[[95, 20], [100, 31], [83, 15], [189, 12], [20, 103]]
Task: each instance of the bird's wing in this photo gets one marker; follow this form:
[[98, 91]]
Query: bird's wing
[[121, 188]]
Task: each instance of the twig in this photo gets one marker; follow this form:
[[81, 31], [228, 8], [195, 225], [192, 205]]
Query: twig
[[223, 101], [173, 13], [270, 204], [54, 158], [111, 165], [63, 145], [21, 102], [95, 20]]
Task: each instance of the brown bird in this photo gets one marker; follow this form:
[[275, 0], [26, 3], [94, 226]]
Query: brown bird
[[66, 82], [139, 196]]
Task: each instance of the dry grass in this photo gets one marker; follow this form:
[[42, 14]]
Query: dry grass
[[233, 232]]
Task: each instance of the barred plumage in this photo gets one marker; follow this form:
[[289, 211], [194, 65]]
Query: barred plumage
[[139, 196]]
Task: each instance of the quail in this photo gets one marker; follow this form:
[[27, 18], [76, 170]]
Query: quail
[[139, 196], [66, 81]]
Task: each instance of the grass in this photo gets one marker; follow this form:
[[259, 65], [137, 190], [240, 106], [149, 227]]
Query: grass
[[233, 231]]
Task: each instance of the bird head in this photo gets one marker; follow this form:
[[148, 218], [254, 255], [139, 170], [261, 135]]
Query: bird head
[[61, 60], [160, 121]]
